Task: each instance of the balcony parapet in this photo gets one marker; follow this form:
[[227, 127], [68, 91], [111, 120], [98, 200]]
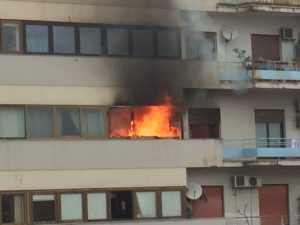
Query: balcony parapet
[[292, 6], [256, 149]]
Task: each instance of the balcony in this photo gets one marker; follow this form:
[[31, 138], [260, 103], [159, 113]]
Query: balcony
[[254, 150], [292, 6], [260, 74], [27, 155]]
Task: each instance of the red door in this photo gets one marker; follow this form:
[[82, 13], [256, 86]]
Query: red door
[[273, 204]]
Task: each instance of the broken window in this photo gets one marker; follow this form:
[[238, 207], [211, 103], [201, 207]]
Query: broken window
[[145, 122], [204, 123], [68, 121], [200, 45], [121, 205]]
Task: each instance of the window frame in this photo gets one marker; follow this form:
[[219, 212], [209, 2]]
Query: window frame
[[85, 203], [25, 206], [102, 41], [24, 118], [56, 206], [38, 23], [21, 33], [178, 36], [157, 203], [83, 206]]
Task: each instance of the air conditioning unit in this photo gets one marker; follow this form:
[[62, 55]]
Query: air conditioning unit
[[287, 34], [240, 181], [255, 182], [247, 181]]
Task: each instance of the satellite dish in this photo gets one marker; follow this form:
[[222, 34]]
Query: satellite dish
[[230, 33], [194, 191]]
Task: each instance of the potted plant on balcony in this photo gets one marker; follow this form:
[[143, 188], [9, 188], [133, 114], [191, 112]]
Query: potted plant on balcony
[[245, 60]]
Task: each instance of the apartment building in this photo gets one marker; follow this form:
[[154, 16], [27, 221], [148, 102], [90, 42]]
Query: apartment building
[[111, 109]]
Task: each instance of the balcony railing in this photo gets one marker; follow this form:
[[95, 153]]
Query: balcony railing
[[262, 2], [261, 148], [260, 70]]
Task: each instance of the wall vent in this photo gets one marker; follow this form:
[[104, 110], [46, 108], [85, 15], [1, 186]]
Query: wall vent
[[287, 34]]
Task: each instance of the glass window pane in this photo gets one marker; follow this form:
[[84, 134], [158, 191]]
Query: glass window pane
[[71, 207], [93, 122], [12, 209], [143, 43], [37, 38], [168, 43], [68, 120], [12, 123], [39, 121], [64, 39], [275, 135], [117, 41], [11, 37], [43, 208], [171, 203], [96, 203], [90, 40], [146, 204]]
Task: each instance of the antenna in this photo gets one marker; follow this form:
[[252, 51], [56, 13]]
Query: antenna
[[194, 191], [229, 33]]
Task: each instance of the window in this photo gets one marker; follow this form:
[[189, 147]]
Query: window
[[143, 42], [146, 204], [37, 38], [96, 206], [90, 40], [71, 207], [168, 43], [64, 39], [117, 41], [39, 121], [11, 36], [171, 203], [210, 204], [204, 123], [200, 45], [93, 122], [265, 47], [12, 123], [269, 128], [68, 121], [12, 208], [43, 207], [121, 205]]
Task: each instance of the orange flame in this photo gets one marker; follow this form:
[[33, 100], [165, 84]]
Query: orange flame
[[149, 121]]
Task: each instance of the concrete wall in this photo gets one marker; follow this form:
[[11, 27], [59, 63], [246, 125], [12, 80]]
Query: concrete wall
[[79, 179], [238, 109], [237, 198], [113, 154]]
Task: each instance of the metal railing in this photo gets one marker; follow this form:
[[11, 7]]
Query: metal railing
[[262, 143], [263, 2]]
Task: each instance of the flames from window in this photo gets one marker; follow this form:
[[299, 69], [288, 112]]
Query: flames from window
[[145, 122]]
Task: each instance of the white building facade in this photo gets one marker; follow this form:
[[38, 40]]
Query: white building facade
[[76, 78]]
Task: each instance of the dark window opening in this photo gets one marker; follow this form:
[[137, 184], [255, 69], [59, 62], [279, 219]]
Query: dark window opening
[[121, 205], [200, 45], [265, 47], [12, 209], [43, 208], [204, 123], [269, 128]]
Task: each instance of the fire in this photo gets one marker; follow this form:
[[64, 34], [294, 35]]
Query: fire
[[142, 122]]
